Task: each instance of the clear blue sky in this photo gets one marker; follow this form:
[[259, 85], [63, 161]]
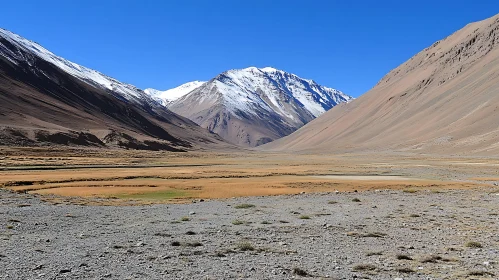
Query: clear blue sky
[[345, 44]]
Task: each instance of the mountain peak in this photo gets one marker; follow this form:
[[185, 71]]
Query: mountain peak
[[276, 101], [167, 96], [269, 69]]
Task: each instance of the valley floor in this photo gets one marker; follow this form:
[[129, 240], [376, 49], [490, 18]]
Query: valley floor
[[386, 234], [104, 177], [93, 214]]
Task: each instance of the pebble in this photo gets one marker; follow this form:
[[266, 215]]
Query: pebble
[[318, 245]]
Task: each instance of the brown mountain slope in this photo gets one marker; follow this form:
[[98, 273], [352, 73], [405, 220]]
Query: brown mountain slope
[[445, 100], [40, 104]]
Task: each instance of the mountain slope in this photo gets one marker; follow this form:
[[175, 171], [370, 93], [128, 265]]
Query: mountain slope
[[168, 96], [45, 99], [443, 100], [253, 106]]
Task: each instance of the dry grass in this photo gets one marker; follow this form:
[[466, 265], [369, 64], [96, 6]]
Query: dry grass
[[480, 273], [172, 177], [369, 254], [405, 270], [244, 206], [245, 246], [403, 257], [364, 267], [431, 259], [300, 272]]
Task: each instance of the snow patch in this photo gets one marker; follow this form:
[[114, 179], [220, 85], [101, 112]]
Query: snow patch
[[167, 96]]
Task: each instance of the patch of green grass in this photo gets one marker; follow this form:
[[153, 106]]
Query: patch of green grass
[[244, 206], [185, 219], [473, 244], [304, 217], [161, 195], [238, 222], [245, 246]]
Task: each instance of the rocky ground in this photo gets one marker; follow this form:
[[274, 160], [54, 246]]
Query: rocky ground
[[370, 235]]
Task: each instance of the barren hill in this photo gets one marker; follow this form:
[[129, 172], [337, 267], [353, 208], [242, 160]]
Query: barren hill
[[444, 100]]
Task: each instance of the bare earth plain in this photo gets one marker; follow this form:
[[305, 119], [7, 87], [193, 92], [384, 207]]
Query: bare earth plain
[[116, 214]]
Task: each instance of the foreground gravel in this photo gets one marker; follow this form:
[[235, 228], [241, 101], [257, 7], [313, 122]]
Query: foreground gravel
[[381, 235]]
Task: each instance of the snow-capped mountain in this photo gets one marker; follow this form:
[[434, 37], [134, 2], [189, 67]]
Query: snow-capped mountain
[[253, 106], [48, 100], [168, 96], [23, 50]]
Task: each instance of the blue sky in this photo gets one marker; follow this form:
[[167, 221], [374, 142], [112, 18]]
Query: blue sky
[[348, 45]]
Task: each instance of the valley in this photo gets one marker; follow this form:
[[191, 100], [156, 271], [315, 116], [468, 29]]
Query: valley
[[150, 177], [96, 214], [251, 173]]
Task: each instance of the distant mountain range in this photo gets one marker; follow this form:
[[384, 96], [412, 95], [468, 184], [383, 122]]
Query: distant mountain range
[[48, 100], [251, 106]]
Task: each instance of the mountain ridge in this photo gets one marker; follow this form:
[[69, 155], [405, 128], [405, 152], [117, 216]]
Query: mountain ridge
[[252, 106], [48, 100]]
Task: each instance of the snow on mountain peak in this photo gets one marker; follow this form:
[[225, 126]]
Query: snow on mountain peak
[[253, 106], [89, 76], [167, 96], [268, 87], [270, 69]]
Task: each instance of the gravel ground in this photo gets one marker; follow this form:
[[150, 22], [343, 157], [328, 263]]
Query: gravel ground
[[370, 235]]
